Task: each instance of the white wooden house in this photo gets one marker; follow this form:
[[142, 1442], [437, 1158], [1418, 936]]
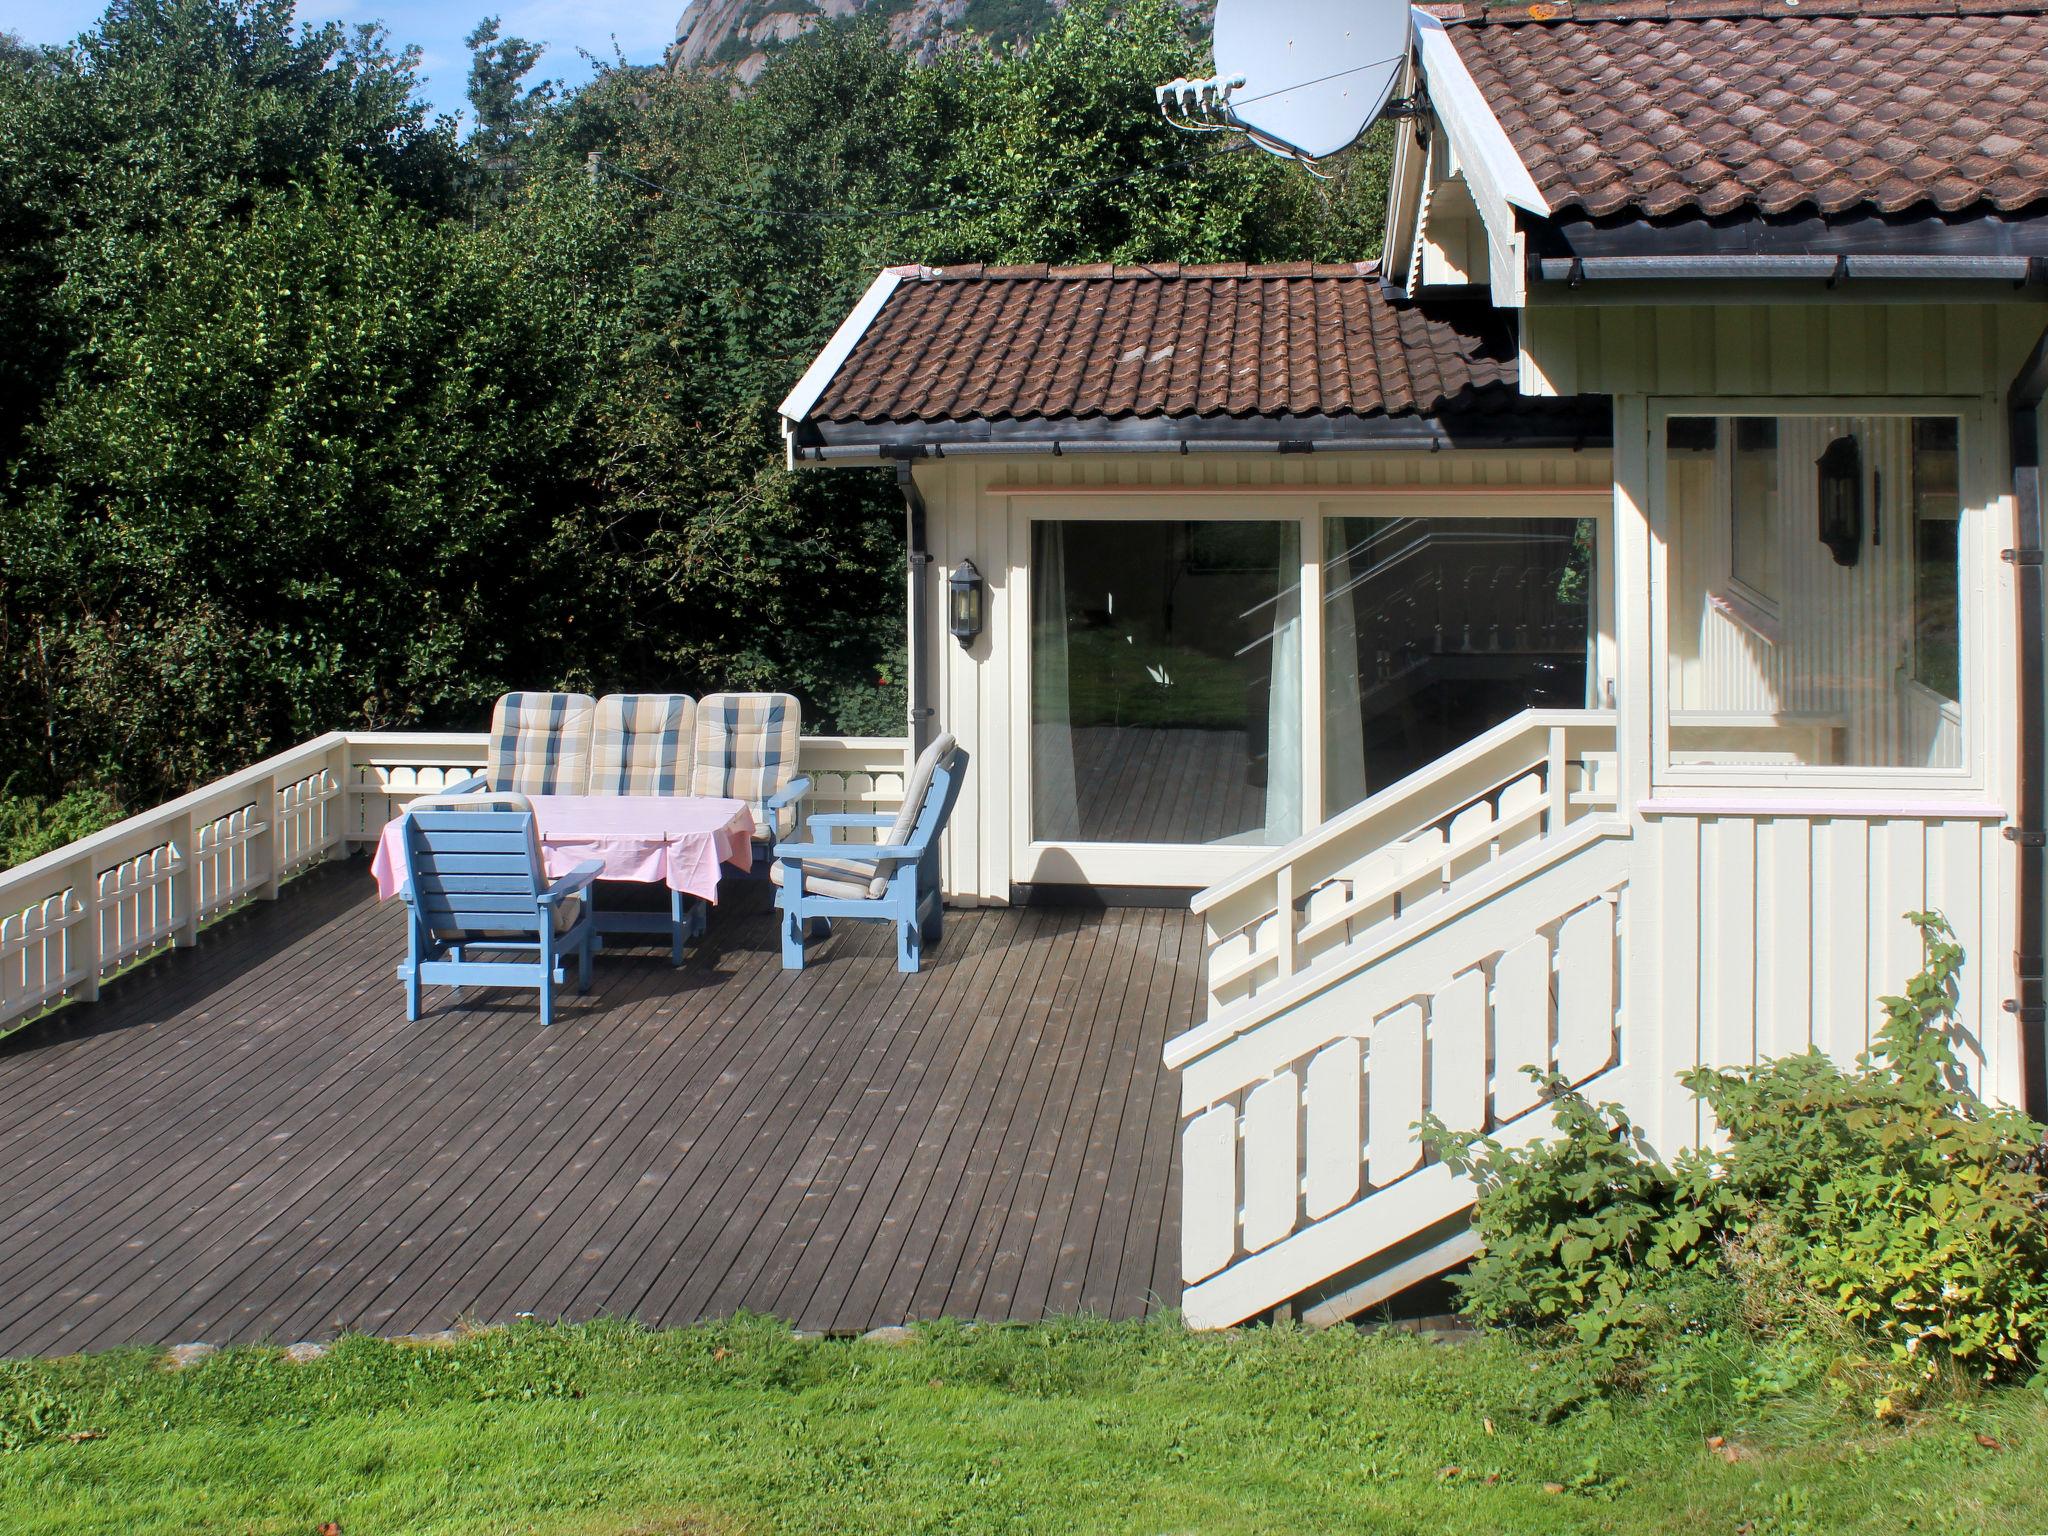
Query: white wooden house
[[1577, 638]]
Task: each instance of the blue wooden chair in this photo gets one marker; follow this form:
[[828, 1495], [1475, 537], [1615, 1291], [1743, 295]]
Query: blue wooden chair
[[893, 881], [474, 880]]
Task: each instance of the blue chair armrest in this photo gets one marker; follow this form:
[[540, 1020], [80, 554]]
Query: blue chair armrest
[[469, 786], [820, 829], [796, 853], [575, 880], [789, 794]]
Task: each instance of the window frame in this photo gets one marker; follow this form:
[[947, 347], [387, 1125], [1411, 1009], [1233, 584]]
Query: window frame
[[1062, 862], [1978, 495]]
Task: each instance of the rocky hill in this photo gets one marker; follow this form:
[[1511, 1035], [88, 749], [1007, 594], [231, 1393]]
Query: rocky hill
[[740, 34]]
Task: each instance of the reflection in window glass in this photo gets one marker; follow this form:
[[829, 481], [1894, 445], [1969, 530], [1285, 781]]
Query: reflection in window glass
[[1753, 527], [1937, 510], [1166, 682], [1856, 665], [1437, 629]]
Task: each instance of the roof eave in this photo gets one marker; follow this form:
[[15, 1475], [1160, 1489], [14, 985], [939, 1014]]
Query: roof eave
[[1548, 424]]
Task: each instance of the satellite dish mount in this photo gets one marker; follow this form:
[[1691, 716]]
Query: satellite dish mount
[[1301, 79]]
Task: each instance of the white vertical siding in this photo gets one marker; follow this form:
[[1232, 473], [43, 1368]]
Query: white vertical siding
[[1847, 349], [1787, 929]]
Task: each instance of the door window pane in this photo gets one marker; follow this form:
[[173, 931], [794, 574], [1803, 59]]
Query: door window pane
[[1856, 664], [1166, 682], [1754, 535], [1937, 513], [1437, 629]]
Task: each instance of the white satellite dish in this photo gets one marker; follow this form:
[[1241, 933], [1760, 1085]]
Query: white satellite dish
[[1300, 78]]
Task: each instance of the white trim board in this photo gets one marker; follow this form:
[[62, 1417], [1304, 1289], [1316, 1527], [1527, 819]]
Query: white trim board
[[796, 405], [1334, 490], [1494, 173], [1492, 165]]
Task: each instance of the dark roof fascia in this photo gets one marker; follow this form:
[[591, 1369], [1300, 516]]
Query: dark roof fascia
[[1860, 233], [1583, 422]]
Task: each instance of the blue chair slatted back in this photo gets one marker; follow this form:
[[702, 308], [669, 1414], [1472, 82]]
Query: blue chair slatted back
[[936, 811], [476, 871]]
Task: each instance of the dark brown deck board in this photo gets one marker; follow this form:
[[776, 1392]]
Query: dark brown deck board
[[247, 1140], [1002, 1222], [937, 1289], [894, 1125], [923, 1138]]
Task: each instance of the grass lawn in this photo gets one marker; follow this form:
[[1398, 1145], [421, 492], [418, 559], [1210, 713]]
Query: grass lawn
[[608, 1430]]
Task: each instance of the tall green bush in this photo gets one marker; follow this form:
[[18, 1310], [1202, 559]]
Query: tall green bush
[[1888, 1198], [312, 416]]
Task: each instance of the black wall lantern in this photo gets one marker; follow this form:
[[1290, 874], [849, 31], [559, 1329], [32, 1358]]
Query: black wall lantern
[[964, 593], [1841, 499]]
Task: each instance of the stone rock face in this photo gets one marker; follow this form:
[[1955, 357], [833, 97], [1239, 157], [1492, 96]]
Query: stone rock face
[[739, 35]]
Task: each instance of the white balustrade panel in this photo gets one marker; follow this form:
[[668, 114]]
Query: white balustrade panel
[[1336, 1127]]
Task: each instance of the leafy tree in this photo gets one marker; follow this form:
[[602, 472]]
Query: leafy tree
[[506, 109], [299, 436]]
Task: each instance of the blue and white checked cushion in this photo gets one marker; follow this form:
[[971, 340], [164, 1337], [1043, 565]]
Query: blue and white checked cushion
[[540, 743], [746, 750], [643, 744]]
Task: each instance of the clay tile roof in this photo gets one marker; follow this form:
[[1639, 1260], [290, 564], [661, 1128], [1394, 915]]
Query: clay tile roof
[[1656, 107], [1028, 343]]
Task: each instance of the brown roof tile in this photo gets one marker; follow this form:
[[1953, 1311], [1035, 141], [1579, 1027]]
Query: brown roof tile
[[1659, 107], [986, 344]]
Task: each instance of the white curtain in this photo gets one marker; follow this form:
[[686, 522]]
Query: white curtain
[[1343, 724], [1283, 721], [1055, 806]]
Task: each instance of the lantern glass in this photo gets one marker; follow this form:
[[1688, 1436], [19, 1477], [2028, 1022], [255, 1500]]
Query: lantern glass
[[964, 591]]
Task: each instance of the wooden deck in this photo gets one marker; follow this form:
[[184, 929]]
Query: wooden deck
[[248, 1141]]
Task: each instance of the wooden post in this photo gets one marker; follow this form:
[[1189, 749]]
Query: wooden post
[[266, 844], [1283, 895], [82, 938], [1556, 771], [185, 882], [338, 815]]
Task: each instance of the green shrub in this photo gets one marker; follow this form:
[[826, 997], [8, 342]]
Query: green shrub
[[30, 828], [1884, 1212]]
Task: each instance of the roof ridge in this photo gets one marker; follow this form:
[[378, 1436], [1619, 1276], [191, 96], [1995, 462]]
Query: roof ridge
[[1476, 13]]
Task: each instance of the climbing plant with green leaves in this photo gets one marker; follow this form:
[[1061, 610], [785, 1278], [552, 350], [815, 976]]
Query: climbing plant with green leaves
[[1888, 1197]]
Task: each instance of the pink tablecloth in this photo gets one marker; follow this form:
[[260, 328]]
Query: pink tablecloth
[[677, 841]]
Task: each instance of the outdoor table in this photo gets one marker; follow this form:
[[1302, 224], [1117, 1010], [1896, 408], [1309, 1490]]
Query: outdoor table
[[680, 841]]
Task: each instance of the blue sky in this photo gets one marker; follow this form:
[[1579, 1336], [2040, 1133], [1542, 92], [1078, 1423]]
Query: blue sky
[[438, 27]]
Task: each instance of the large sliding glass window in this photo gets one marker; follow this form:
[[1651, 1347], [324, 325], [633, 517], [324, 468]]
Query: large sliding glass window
[[1437, 629], [1166, 693]]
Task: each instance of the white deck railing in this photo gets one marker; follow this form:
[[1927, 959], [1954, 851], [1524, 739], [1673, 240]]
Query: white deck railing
[[1523, 781], [1406, 958], [76, 915]]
